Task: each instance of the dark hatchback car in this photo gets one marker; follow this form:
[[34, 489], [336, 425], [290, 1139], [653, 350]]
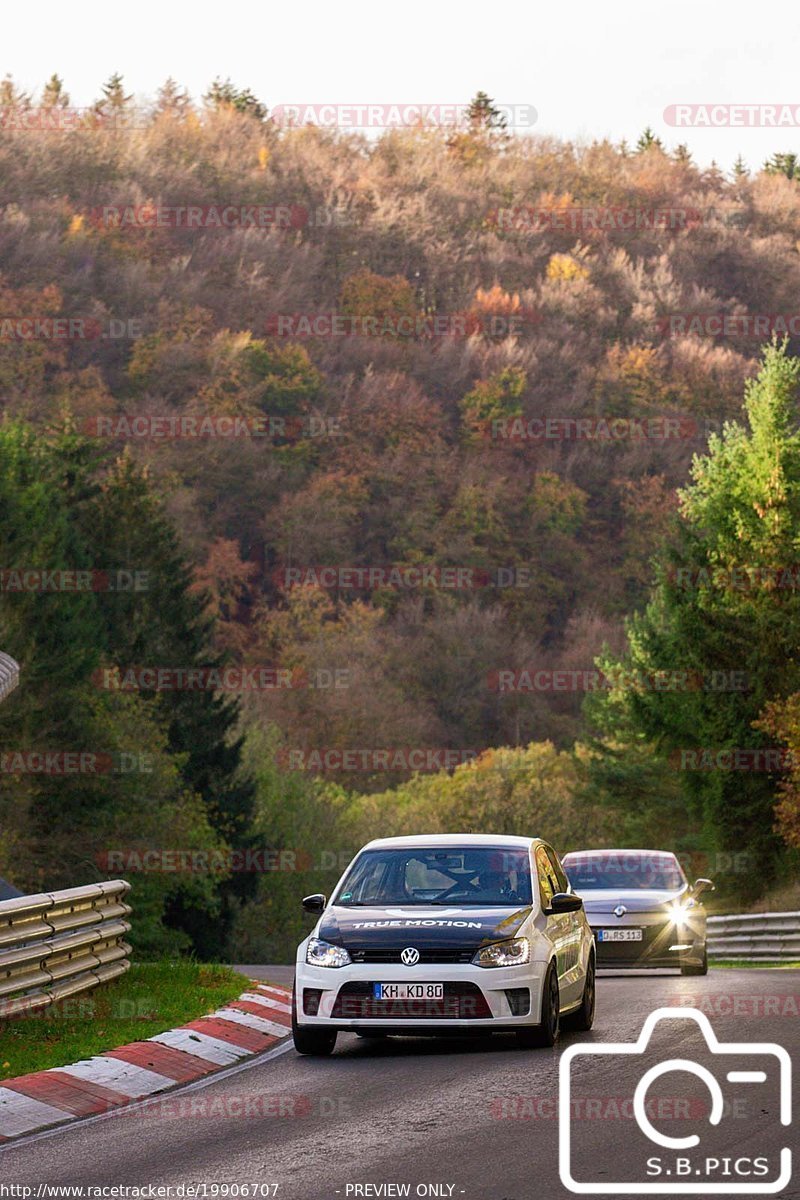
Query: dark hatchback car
[[641, 908]]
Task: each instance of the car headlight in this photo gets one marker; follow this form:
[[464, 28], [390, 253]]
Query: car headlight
[[323, 954], [511, 953], [681, 913]]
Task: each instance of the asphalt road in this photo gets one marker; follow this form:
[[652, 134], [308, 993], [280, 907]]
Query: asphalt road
[[476, 1118]]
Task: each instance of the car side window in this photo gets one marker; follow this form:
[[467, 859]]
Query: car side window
[[558, 870], [547, 883]]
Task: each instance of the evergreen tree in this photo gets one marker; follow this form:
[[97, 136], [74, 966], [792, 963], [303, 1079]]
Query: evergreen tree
[[172, 99], [740, 170], [648, 141], [223, 94], [718, 638], [11, 96], [783, 164], [483, 114], [113, 102], [165, 624]]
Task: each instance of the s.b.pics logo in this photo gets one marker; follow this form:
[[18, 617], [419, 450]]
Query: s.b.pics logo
[[707, 1120]]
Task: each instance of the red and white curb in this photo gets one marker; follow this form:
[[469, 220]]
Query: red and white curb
[[257, 1021]]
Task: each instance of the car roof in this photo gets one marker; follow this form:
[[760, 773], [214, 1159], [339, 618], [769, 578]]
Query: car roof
[[452, 839], [609, 852]]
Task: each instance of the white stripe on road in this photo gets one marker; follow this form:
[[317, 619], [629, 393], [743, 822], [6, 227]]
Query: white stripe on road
[[123, 1077], [20, 1113], [202, 1045]]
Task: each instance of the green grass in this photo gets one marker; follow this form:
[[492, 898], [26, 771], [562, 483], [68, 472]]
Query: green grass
[[738, 963], [150, 998]]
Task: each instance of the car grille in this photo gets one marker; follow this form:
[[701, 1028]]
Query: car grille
[[425, 956], [461, 1001], [656, 941]]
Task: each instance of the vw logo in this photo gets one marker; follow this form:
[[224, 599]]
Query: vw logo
[[620, 910], [409, 957]]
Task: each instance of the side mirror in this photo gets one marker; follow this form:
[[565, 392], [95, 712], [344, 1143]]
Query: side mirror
[[564, 902], [315, 904], [703, 885]]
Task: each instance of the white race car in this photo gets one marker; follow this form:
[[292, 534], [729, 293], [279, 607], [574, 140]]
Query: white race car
[[465, 933]]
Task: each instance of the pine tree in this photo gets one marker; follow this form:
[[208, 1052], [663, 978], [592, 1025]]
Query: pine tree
[[783, 164], [165, 624], [113, 101], [172, 99], [11, 96], [740, 170], [483, 114], [223, 94], [54, 94], [733, 643], [648, 141]]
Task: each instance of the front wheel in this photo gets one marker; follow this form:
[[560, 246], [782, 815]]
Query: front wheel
[[546, 1033], [696, 968], [583, 1018], [316, 1042]]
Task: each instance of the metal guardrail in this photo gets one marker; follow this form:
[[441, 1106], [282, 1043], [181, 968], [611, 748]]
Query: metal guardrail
[[58, 944], [759, 937], [9, 675]]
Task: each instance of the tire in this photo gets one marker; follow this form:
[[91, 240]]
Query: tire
[[583, 1018], [694, 969], [545, 1034], [318, 1043]]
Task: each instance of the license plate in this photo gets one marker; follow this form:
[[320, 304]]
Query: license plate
[[408, 991], [619, 935]]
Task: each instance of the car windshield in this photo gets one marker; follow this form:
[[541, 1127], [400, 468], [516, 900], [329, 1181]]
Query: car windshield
[[623, 872], [486, 876]]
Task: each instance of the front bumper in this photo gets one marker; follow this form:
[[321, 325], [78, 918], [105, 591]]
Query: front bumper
[[339, 1007], [663, 944]]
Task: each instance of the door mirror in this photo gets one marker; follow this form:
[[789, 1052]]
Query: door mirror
[[564, 902], [315, 904], [703, 885]]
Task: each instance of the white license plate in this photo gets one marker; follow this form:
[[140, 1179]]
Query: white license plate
[[619, 935], [408, 991]]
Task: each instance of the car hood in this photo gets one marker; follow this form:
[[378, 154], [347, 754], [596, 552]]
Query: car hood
[[598, 900], [424, 928]]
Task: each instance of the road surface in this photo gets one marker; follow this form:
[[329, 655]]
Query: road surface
[[476, 1118]]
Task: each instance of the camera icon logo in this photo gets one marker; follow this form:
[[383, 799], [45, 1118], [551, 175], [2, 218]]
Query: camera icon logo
[[681, 1165]]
